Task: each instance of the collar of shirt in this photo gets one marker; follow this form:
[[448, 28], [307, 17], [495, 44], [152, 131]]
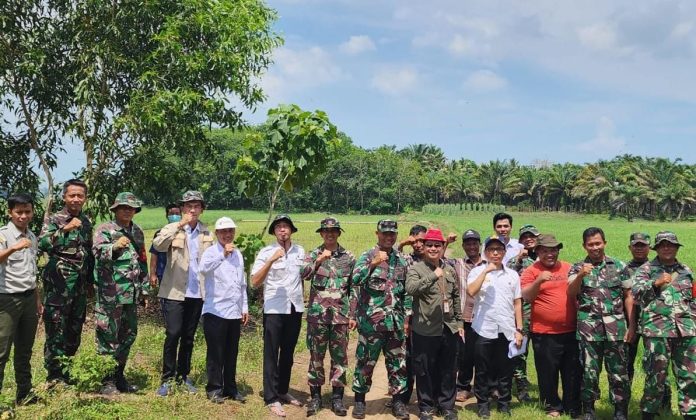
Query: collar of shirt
[[187, 228], [16, 233]]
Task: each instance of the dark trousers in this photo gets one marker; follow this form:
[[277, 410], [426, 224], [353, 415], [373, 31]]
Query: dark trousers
[[434, 361], [465, 359], [222, 340], [18, 320], [410, 373], [280, 332], [554, 355], [493, 369], [180, 322]]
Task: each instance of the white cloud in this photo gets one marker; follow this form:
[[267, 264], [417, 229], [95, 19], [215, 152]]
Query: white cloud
[[395, 81], [484, 81], [599, 36], [358, 44], [606, 143]]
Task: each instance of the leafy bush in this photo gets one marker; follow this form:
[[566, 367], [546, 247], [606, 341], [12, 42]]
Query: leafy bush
[[88, 369]]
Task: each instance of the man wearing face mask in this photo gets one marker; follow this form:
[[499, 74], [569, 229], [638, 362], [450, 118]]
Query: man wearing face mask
[[381, 318], [158, 260], [184, 242]]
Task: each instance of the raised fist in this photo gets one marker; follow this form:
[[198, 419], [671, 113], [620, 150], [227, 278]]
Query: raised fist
[[75, 223], [229, 248], [121, 242]]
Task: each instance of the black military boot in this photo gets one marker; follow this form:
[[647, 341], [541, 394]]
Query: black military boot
[[588, 411], [621, 411], [121, 383], [314, 404], [647, 416], [337, 401], [109, 388], [399, 408], [359, 407]]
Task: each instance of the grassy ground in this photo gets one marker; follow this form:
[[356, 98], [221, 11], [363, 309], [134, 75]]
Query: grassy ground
[[145, 362]]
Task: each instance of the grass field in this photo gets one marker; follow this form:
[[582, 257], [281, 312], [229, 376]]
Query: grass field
[[145, 360]]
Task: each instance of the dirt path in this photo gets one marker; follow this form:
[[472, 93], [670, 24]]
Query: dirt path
[[375, 399]]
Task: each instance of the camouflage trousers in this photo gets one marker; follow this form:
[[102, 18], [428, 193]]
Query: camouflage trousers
[[335, 337], [116, 328], [370, 344], [519, 372], [613, 353], [656, 357], [63, 318]]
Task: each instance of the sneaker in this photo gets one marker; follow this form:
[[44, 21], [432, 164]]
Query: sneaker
[[235, 395], [188, 384], [216, 397], [164, 389]]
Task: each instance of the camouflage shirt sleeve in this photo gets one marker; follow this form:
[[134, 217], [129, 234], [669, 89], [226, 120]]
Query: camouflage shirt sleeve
[[139, 237], [644, 290], [361, 272], [48, 235], [309, 264]]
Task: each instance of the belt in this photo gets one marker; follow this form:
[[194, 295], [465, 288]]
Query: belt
[[24, 293]]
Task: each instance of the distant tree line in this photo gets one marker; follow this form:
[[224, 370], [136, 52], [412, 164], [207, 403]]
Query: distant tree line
[[387, 180]]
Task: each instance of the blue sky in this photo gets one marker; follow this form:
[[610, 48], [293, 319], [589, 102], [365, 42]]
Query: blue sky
[[533, 80]]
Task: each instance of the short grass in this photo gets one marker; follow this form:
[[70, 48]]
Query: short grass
[[146, 355]]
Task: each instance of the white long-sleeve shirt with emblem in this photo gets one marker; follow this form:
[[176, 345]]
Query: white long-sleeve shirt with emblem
[[224, 283]]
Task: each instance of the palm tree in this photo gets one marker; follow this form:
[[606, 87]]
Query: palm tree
[[495, 176]]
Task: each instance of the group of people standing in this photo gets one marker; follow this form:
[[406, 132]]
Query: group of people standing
[[458, 328]]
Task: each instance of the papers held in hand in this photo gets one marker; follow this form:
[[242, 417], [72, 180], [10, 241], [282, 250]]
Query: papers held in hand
[[514, 351]]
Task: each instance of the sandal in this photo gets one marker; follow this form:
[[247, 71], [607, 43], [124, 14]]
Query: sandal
[[553, 413], [289, 399], [276, 409]]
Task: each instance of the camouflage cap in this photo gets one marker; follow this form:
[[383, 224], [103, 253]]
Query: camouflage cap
[[471, 234], [666, 236], [639, 238], [282, 217], [126, 199], [529, 229], [387, 225], [330, 223], [548, 240], [192, 196]]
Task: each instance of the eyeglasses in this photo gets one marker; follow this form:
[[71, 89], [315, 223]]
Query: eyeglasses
[[496, 250], [433, 245]]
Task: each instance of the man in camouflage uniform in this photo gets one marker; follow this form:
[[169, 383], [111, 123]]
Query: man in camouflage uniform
[[604, 304], [665, 289], [328, 268], [526, 257], [382, 307], [67, 276], [639, 247], [121, 274]]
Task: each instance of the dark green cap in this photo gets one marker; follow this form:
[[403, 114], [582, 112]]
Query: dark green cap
[[666, 236], [330, 223], [281, 218], [639, 238], [386, 225], [529, 229], [127, 199]]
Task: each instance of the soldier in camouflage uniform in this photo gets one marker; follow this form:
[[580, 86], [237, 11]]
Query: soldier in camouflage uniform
[[526, 257], [328, 268], [604, 304], [121, 274], [639, 247], [67, 276], [382, 307], [665, 289]]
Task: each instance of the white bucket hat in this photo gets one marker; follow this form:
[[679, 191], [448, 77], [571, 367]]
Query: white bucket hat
[[224, 223]]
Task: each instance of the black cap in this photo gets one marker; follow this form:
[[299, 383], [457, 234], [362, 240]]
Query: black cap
[[281, 218], [471, 234]]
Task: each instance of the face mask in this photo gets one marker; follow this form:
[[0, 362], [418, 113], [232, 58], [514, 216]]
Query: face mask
[[174, 218]]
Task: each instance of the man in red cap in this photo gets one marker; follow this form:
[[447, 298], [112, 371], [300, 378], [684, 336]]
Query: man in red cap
[[436, 327]]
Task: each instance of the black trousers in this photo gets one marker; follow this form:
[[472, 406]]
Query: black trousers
[[180, 322], [410, 374], [465, 359], [280, 332], [554, 355], [493, 369], [434, 363], [222, 340]]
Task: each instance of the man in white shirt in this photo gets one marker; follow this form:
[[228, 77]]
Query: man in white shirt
[[225, 310], [497, 320], [277, 267], [502, 224]]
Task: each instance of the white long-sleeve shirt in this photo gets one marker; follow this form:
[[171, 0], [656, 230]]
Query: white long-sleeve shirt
[[224, 282], [283, 285]]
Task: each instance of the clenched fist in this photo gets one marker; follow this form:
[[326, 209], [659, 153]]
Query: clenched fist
[[544, 276], [186, 218], [121, 242], [229, 248], [280, 253], [439, 272], [379, 258], [75, 223], [663, 280], [325, 255], [22, 244]]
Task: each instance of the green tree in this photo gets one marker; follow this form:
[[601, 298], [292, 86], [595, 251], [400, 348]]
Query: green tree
[[290, 151]]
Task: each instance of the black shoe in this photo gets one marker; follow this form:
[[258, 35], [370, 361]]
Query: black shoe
[[314, 404], [483, 411], [647, 416], [359, 410], [449, 415], [123, 386], [588, 411], [425, 415], [337, 402], [667, 399], [621, 411], [523, 396], [216, 397], [504, 409], [399, 409], [27, 398], [109, 389], [235, 395]]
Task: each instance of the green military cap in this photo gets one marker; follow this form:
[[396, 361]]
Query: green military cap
[[529, 229], [387, 225], [281, 218], [549, 241], [330, 223], [192, 196], [127, 199], [666, 236], [639, 238]]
